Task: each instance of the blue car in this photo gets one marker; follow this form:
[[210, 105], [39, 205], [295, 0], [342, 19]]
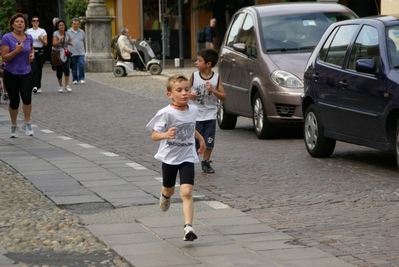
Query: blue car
[[351, 87]]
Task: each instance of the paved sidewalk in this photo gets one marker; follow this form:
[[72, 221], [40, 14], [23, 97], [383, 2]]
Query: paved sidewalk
[[72, 173]]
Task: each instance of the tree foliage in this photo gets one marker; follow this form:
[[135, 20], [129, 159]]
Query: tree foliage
[[74, 9], [7, 9]]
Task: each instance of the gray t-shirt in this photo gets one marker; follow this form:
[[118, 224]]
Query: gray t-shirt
[[65, 42], [78, 40]]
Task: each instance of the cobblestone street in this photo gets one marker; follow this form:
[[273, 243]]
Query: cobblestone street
[[346, 205]]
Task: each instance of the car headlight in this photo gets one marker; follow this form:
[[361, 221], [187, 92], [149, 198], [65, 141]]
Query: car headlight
[[286, 79]]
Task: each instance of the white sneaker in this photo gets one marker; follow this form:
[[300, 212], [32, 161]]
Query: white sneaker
[[39, 91], [14, 131], [35, 89], [189, 234], [28, 129], [60, 89], [75, 82], [68, 89], [82, 82]]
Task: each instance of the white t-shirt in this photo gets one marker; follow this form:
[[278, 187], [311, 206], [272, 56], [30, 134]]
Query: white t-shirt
[[182, 148], [35, 35], [206, 101]]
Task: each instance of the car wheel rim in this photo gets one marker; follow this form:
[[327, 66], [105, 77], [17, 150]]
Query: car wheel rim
[[311, 131], [258, 115]]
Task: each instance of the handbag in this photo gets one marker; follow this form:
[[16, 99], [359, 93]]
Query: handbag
[[67, 52], [56, 58]]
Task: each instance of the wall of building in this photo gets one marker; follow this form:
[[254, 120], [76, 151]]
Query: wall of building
[[389, 7]]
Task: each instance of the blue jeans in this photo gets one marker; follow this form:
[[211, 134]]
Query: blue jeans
[[78, 68]]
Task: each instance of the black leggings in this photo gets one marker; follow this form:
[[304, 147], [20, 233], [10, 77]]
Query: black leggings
[[169, 174], [37, 68], [18, 85], [64, 68]]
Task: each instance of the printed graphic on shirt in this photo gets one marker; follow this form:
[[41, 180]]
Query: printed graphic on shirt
[[202, 94], [184, 132]]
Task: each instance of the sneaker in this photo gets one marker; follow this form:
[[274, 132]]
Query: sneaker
[[35, 89], [5, 97], [164, 203], [60, 89], [82, 82], [189, 234], [68, 89], [75, 82], [28, 128], [206, 166], [14, 131], [39, 91]]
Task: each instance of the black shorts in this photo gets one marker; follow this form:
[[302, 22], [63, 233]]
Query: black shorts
[[169, 174]]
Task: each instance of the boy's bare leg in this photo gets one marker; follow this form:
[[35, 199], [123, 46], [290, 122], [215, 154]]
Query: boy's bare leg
[[186, 194], [207, 154], [168, 191]]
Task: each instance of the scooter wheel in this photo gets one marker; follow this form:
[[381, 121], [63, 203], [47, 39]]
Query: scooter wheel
[[119, 71], [155, 69]]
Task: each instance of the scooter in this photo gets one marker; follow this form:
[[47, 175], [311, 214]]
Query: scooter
[[122, 67]]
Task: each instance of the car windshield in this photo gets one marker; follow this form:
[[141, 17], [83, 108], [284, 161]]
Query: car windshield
[[393, 45], [296, 32]]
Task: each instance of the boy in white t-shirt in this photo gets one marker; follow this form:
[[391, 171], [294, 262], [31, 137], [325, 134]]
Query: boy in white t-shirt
[[206, 89], [174, 127]]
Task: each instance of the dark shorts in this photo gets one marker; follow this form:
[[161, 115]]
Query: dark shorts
[[207, 129], [169, 174]]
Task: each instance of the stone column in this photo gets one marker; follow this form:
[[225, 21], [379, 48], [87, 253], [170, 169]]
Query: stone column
[[98, 38]]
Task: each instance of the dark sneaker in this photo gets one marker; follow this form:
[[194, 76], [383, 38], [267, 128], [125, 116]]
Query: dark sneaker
[[206, 166], [5, 97], [35, 89], [189, 234], [164, 203]]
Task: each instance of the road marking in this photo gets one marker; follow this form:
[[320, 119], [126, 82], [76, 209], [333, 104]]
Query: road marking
[[64, 137], [136, 166], [216, 205], [86, 145], [110, 154], [47, 131]]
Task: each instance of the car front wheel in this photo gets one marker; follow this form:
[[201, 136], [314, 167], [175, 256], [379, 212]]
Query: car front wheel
[[263, 128], [225, 120], [317, 144]]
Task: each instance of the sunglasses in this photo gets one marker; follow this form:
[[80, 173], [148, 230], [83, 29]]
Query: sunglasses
[[35, 20]]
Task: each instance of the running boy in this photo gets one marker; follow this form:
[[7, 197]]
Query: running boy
[[174, 126], [207, 88]]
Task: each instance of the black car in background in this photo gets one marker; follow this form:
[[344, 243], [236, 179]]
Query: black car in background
[[351, 87]]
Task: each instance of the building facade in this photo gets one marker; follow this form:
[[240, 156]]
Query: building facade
[[143, 19]]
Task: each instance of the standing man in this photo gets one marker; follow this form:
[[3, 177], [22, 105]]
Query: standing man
[[210, 34], [78, 38]]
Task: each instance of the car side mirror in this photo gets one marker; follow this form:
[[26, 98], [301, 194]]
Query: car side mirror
[[240, 47], [366, 66]]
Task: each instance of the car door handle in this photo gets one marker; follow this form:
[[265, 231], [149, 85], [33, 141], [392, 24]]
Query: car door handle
[[343, 84], [315, 77]]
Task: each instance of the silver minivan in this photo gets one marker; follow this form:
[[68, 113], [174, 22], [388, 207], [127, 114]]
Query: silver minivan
[[262, 61]]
